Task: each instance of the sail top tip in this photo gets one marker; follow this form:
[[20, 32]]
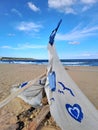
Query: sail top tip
[[53, 34]]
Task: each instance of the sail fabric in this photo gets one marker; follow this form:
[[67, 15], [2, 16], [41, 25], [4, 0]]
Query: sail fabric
[[70, 108], [31, 95]]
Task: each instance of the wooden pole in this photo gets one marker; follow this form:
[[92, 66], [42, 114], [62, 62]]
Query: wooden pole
[[41, 116]]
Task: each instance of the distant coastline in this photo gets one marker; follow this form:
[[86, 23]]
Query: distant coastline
[[12, 59], [65, 62]]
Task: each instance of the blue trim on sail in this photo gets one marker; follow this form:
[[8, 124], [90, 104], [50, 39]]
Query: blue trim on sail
[[52, 81], [23, 84], [52, 35]]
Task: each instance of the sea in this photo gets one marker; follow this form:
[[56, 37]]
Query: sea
[[65, 62]]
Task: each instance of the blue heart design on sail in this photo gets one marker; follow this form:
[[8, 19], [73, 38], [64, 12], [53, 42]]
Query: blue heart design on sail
[[75, 111]]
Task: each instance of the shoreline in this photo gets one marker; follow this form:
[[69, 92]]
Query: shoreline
[[65, 62]]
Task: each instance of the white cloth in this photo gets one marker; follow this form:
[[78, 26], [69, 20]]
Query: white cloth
[[68, 105], [32, 95]]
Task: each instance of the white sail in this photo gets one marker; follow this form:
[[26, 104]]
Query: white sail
[[70, 108]]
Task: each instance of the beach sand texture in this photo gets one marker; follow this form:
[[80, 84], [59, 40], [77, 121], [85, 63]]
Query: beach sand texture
[[10, 74]]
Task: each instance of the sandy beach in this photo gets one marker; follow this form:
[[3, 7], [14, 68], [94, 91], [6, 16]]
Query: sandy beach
[[10, 74]]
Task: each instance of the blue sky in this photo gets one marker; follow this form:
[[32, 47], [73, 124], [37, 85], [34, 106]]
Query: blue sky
[[25, 26]]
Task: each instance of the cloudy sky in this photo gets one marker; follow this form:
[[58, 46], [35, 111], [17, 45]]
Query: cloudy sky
[[25, 27]]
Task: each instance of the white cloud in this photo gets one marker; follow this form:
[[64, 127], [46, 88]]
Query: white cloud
[[6, 47], [88, 55], [11, 34], [89, 1], [85, 8], [30, 46], [70, 10], [87, 4], [24, 46], [62, 5], [16, 12], [71, 6], [33, 7], [29, 26], [74, 42], [78, 32], [81, 55]]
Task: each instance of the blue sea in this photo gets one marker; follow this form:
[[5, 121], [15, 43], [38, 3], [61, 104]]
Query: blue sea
[[65, 62]]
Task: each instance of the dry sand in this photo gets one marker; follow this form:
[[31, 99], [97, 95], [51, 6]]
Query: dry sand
[[13, 74], [10, 74], [87, 80]]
